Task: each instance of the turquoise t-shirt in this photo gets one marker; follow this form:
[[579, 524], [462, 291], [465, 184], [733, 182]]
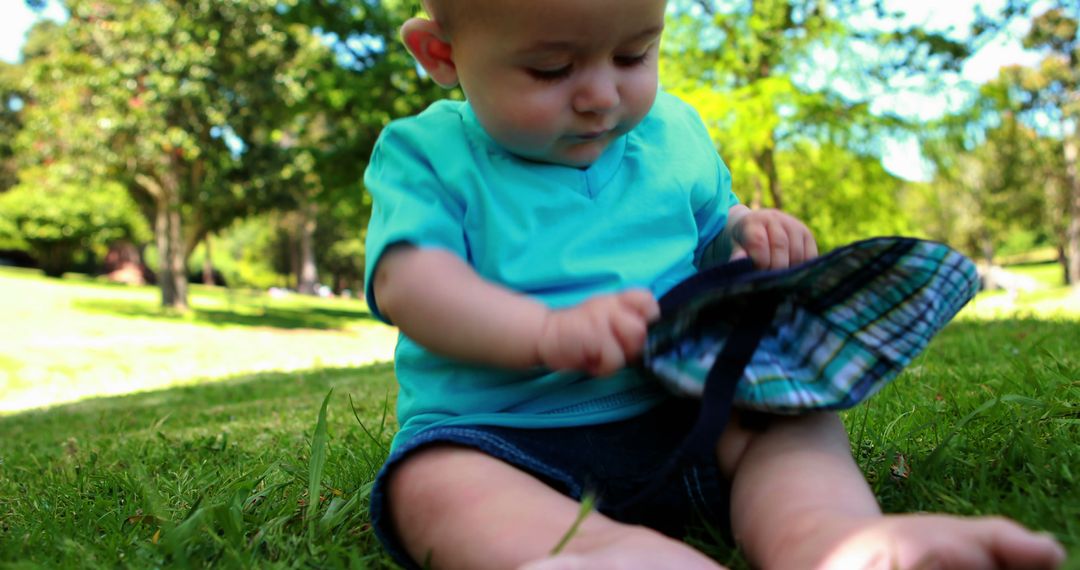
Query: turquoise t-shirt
[[638, 217]]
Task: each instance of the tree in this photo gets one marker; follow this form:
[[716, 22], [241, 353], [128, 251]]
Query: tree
[[1053, 92], [991, 181], [212, 111], [1045, 100], [759, 73], [176, 100], [59, 216], [372, 81], [10, 123], [843, 196]]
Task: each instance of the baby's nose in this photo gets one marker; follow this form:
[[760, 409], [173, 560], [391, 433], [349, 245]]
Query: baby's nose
[[597, 93]]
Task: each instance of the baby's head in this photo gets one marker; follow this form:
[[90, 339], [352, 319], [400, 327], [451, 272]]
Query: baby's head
[[550, 80]]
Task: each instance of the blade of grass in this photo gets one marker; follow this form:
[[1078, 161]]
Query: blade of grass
[[935, 455], [587, 504], [858, 440], [316, 464], [371, 436], [337, 511]]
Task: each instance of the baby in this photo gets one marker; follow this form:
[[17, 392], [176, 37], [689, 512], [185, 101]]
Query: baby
[[519, 240]]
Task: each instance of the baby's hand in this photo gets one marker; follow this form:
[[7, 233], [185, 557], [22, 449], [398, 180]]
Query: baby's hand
[[600, 335], [772, 239]]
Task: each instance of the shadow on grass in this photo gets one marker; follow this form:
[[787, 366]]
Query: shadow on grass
[[1025, 333], [234, 400], [239, 314], [201, 475]]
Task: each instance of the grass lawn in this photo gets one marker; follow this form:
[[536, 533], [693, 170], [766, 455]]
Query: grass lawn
[[227, 471], [1048, 273], [63, 340]]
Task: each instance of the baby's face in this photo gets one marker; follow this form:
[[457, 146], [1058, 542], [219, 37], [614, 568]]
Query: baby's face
[[558, 80]]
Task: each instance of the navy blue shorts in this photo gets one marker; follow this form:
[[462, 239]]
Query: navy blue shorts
[[620, 463]]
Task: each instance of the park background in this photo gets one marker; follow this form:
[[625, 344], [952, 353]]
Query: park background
[[182, 220]]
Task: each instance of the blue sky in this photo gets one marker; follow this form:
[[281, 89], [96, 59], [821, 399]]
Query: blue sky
[[901, 156], [15, 21]]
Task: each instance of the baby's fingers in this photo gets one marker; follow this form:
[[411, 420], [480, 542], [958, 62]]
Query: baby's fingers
[[642, 302], [779, 245], [606, 355], [810, 245], [753, 238], [630, 331], [803, 247]]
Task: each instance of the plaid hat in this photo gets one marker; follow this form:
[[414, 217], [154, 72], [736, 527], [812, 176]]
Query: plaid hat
[[823, 335]]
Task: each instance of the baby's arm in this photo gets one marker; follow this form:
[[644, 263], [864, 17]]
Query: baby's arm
[[771, 238], [439, 301]]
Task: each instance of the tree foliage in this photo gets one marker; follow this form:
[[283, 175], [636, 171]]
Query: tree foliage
[[1053, 92], [208, 112], [10, 104], [211, 113], [372, 81], [843, 196], [60, 216], [985, 193], [771, 75], [177, 101], [1010, 160]]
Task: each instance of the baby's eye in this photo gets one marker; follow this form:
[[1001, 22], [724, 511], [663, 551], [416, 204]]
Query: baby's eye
[[549, 74], [631, 60]]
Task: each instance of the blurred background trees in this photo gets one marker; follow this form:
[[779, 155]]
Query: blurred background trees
[[229, 138], [207, 113]]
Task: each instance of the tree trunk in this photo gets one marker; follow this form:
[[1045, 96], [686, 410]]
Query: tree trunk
[[766, 161], [1063, 261], [208, 264], [171, 255], [308, 277], [986, 247], [1072, 232], [293, 247]]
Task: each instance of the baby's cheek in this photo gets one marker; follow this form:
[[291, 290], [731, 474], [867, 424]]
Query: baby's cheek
[[536, 118], [640, 94]]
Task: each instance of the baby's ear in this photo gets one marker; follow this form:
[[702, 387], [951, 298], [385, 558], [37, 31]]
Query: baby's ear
[[429, 45]]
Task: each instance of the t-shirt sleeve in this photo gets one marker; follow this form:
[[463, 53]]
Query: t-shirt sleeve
[[713, 199], [410, 204]]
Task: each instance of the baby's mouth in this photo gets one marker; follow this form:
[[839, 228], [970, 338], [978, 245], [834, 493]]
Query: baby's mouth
[[592, 135]]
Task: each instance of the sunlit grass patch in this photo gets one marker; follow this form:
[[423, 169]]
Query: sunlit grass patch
[[1047, 303], [74, 338], [1048, 273]]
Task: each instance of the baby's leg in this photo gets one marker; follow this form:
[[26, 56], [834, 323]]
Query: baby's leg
[[800, 501], [465, 509]]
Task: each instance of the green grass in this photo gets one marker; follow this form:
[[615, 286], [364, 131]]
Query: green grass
[[986, 421], [227, 472], [198, 475], [63, 340], [1048, 273]]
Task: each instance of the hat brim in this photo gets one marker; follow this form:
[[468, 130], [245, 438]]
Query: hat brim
[[842, 325]]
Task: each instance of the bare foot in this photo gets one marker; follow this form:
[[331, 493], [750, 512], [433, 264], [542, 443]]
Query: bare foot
[[920, 542], [645, 550]]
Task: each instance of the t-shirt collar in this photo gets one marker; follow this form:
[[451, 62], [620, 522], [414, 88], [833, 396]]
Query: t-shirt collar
[[589, 181]]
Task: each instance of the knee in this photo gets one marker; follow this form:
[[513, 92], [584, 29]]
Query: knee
[[818, 430], [418, 478], [421, 491], [736, 439]]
